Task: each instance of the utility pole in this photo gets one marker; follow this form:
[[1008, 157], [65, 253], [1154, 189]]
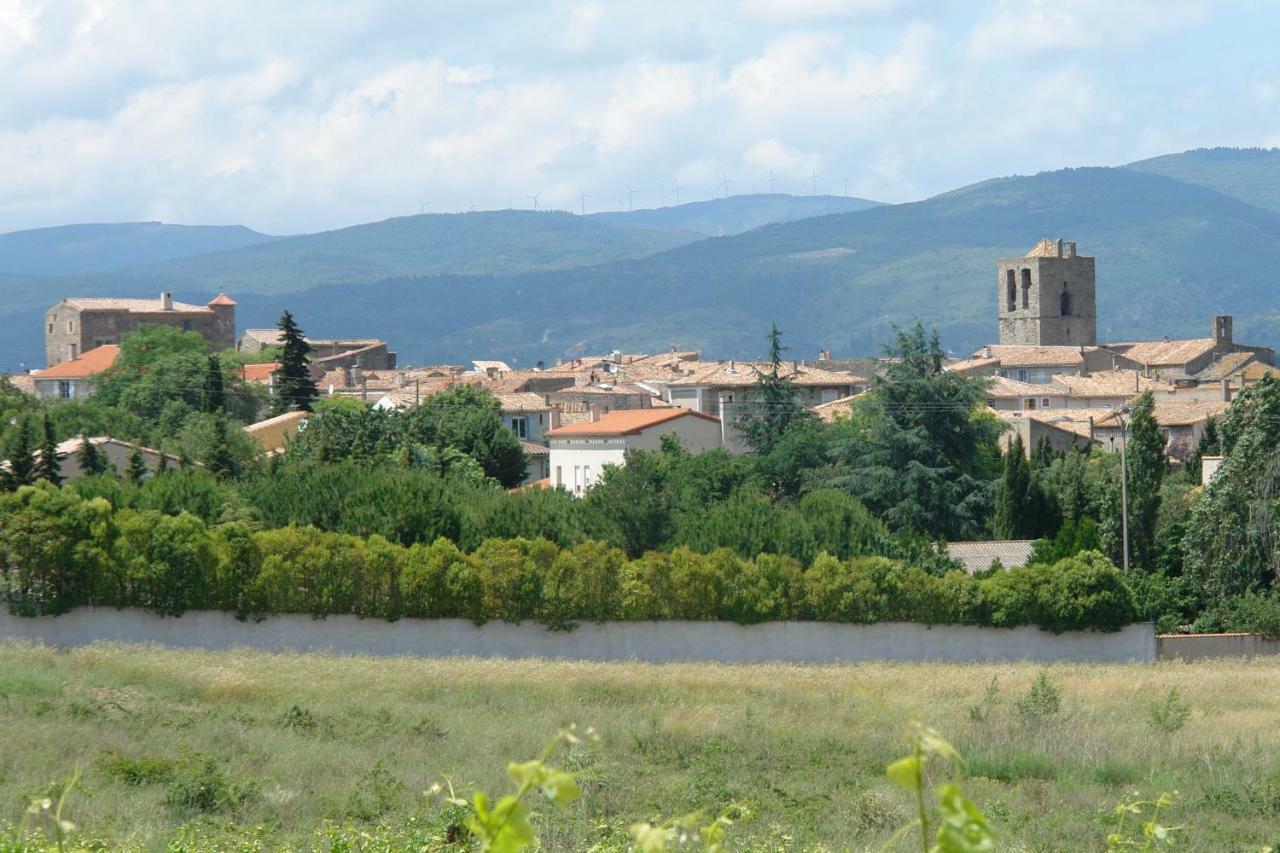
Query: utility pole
[[1124, 484], [417, 391]]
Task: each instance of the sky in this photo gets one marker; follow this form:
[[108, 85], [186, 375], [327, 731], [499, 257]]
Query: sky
[[296, 117]]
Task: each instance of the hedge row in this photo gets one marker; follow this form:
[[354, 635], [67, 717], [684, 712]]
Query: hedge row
[[59, 551]]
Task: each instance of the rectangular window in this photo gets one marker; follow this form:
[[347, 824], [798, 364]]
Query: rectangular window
[[520, 426], [586, 476], [577, 479], [829, 395], [64, 389], [1022, 376], [51, 328], [1044, 404], [1031, 404], [559, 476], [71, 325]]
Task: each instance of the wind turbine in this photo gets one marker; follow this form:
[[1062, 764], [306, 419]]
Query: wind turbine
[[771, 182], [725, 183], [582, 200], [815, 182], [534, 199], [678, 188], [424, 205], [630, 193]]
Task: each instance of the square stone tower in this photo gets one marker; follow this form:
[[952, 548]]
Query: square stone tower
[[1048, 298]]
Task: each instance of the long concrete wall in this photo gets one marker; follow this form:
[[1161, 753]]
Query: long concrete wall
[[1191, 647], [807, 642]]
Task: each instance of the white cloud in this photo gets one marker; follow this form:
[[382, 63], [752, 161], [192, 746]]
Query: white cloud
[[238, 111]]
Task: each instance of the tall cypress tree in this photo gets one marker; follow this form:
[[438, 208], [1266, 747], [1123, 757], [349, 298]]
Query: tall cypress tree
[[220, 460], [1147, 465], [213, 397], [22, 465], [137, 470], [50, 465], [1013, 494], [90, 458], [294, 388]]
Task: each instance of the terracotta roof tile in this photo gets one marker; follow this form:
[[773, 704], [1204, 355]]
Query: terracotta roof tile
[[624, 422], [91, 363], [133, 306]]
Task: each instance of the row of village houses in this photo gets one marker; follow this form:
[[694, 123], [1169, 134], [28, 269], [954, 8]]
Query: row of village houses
[[575, 417]]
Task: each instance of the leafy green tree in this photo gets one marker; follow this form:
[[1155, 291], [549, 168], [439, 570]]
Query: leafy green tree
[[776, 403], [213, 398], [136, 472], [469, 419], [295, 390], [919, 451], [632, 504], [21, 450], [49, 466], [1210, 445], [1231, 540]]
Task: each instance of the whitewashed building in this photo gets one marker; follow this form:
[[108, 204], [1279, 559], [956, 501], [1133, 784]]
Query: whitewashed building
[[580, 451]]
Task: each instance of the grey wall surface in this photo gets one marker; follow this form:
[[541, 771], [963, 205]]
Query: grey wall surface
[[657, 642], [1190, 647]]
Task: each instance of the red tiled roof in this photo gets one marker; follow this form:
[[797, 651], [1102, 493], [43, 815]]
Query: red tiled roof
[[259, 372], [625, 422], [222, 299], [91, 363]]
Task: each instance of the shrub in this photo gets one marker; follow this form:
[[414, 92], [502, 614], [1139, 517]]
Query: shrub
[[1041, 702], [1170, 713]]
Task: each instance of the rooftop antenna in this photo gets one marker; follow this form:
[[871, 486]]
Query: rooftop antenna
[[534, 199], [630, 194], [771, 182], [582, 200], [725, 183], [678, 188]]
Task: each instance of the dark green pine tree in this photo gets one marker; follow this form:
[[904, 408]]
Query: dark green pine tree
[[162, 464], [1013, 494], [90, 458], [50, 465], [295, 389], [1043, 454], [137, 470], [213, 397], [22, 464], [777, 402]]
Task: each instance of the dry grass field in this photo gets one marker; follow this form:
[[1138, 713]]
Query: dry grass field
[[243, 750]]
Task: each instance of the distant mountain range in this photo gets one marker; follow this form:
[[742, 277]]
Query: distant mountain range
[[1177, 239]]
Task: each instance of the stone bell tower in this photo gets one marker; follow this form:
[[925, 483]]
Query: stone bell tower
[[1048, 298]]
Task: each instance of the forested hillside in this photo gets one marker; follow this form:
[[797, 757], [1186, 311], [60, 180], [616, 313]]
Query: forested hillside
[[1249, 174], [1169, 255], [94, 248], [724, 216]]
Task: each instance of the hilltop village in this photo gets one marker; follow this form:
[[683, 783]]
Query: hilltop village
[[1049, 378]]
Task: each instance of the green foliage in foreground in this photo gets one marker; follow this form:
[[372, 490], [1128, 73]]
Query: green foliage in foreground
[[200, 751], [59, 551]]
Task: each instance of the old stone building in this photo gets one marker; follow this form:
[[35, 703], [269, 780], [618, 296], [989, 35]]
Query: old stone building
[[1048, 298], [79, 324]]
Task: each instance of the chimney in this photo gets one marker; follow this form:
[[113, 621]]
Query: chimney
[[1222, 332], [595, 412], [725, 400], [166, 302], [1059, 247], [986, 351], [1226, 390], [555, 417], [1071, 250], [357, 374]]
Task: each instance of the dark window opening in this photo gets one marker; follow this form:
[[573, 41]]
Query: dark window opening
[[1011, 290], [1065, 306], [1026, 288], [186, 325]]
